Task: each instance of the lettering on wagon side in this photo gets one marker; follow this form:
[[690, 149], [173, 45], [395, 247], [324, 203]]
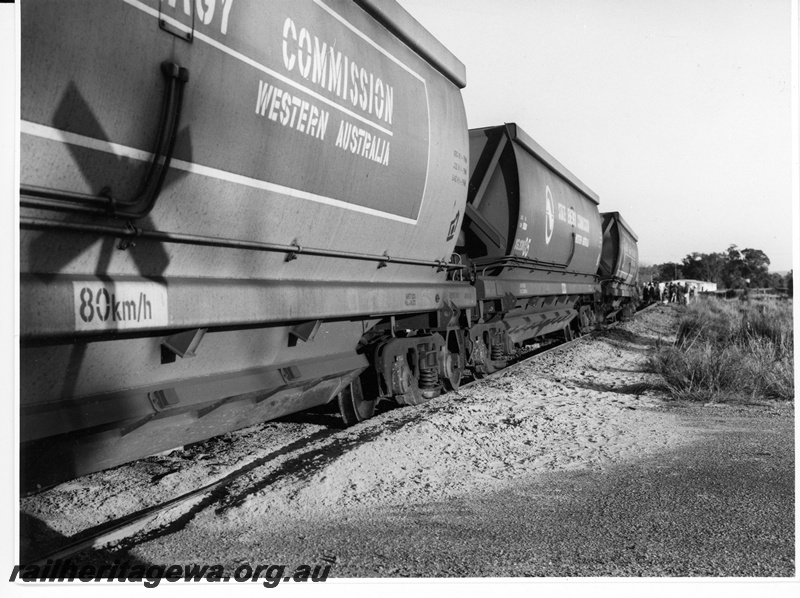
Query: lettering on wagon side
[[120, 305]]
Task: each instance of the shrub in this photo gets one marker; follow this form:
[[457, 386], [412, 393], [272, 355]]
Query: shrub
[[730, 349]]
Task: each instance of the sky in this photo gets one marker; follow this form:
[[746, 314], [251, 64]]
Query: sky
[[677, 113]]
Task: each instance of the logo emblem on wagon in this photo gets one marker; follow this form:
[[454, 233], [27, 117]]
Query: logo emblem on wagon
[[453, 224], [550, 220]]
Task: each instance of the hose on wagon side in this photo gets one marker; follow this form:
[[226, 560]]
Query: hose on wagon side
[[141, 205]]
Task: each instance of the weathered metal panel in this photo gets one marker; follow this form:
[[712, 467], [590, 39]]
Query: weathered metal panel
[[304, 121], [526, 207], [556, 224], [69, 305], [59, 371], [537, 150], [536, 284], [620, 257], [398, 21], [126, 406], [65, 456]]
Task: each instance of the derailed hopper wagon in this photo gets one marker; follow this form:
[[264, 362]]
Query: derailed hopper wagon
[[619, 265], [218, 200], [532, 232]]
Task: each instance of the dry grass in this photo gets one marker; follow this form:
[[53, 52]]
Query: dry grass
[[731, 349]]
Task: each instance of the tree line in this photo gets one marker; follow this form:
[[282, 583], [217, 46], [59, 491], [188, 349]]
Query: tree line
[[731, 269]]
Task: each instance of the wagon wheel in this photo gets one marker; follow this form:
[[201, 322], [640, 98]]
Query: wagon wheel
[[478, 357], [453, 358], [352, 404]]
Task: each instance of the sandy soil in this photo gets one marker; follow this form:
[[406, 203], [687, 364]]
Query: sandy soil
[[588, 406]]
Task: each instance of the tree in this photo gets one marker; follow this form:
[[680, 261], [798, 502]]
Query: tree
[[704, 266], [669, 271], [647, 273], [755, 267], [733, 276], [732, 268]]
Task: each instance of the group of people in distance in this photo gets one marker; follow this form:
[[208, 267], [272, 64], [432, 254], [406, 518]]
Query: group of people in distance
[[668, 292]]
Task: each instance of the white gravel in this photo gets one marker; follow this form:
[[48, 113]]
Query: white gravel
[[587, 406]]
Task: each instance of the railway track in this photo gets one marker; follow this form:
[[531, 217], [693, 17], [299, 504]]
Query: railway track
[[301, 456]]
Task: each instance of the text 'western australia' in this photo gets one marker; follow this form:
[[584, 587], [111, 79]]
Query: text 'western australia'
[[365, 101]]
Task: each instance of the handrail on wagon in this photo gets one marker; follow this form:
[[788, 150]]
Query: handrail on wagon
[[131, 232]]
